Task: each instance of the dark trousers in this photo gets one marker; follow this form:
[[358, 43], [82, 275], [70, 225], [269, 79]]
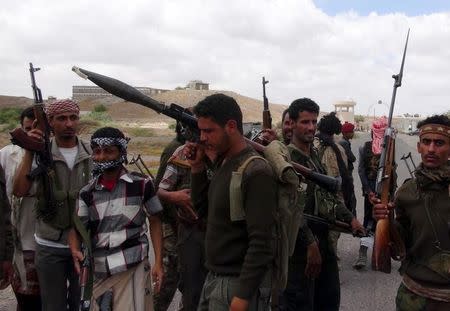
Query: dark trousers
[[218, 292], [191, 256], [303, 293], [369, 222], [28, 302], [163, 299], [58, 280]]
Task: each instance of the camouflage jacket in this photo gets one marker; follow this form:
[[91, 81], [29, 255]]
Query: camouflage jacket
[[423, 218]]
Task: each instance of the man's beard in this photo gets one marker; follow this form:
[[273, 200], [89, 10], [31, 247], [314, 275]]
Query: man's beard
[[224, 145]]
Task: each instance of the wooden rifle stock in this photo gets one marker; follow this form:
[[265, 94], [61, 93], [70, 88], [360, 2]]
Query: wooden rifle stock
[[129, 93], [381, 255], [387, 238]]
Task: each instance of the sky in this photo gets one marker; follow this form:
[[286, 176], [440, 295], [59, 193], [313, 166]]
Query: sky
[[324, 50]]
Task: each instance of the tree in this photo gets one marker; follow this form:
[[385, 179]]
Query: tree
[[359, 118]]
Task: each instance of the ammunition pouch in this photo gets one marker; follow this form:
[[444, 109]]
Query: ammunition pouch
[[325, 204], [62, 217]]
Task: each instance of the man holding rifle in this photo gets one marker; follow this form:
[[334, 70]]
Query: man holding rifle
[[422, 208], [114, 207], [71, 166], [313, 282]]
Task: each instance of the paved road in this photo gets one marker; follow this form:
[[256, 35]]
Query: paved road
[[369, 290], [360, 290]]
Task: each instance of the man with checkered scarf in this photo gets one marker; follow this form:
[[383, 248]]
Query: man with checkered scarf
[[111, 215], [70, 170]]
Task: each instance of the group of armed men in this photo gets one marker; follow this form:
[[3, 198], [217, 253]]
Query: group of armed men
[[218, 257]]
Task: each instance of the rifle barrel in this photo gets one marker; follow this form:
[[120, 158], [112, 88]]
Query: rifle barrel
[[397, 82]]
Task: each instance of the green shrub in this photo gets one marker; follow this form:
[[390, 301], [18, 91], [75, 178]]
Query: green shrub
[[359, 118], [100, 108], [99, 116], [10, 118], [10, 114]]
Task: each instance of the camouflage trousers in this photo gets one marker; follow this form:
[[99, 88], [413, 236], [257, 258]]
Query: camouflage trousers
[[406, 300], [163, 299]]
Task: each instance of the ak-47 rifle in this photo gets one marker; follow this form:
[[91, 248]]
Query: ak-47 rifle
[[85, 299], [140, 164], [129, 93], [19, 136], [267, 118], [42, 149], [387, 242], [336, 225], [409, 160]]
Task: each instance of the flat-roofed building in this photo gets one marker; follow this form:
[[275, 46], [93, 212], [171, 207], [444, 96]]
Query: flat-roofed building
[[80, 92], [345, 110]]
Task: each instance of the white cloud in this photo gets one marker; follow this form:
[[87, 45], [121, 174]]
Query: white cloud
[[302, 51]]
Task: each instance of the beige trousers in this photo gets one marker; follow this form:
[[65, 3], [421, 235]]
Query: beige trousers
[[131, 289]]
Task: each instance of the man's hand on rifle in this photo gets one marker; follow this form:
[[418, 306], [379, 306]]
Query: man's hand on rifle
[[268, 135], [357, 228], [77, 257], [183, 199], [36, 133], [157, 277], [195, 154], [313, 260], [382, 211]]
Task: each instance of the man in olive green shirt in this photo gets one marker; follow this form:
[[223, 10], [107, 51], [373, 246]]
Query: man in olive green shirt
[[313, 281], [422, 210], [238, 247]]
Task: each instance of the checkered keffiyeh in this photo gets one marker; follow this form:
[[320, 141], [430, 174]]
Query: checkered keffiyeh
[[100, 167], [61, 106]]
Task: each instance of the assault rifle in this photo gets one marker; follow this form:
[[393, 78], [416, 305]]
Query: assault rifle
[[42, 149], [267, 118], [129, 93], [85, 299], [388, 242], [140, 164], [336, 225], [409, 160]]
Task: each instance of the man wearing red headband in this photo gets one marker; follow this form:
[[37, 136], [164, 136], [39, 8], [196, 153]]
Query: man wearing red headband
[[347, 134], [422, 216]]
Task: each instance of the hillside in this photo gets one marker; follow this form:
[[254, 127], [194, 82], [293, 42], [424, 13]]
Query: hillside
[[122, 111]]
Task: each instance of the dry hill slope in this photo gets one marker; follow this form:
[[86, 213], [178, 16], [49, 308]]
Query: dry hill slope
[[120, 110]]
